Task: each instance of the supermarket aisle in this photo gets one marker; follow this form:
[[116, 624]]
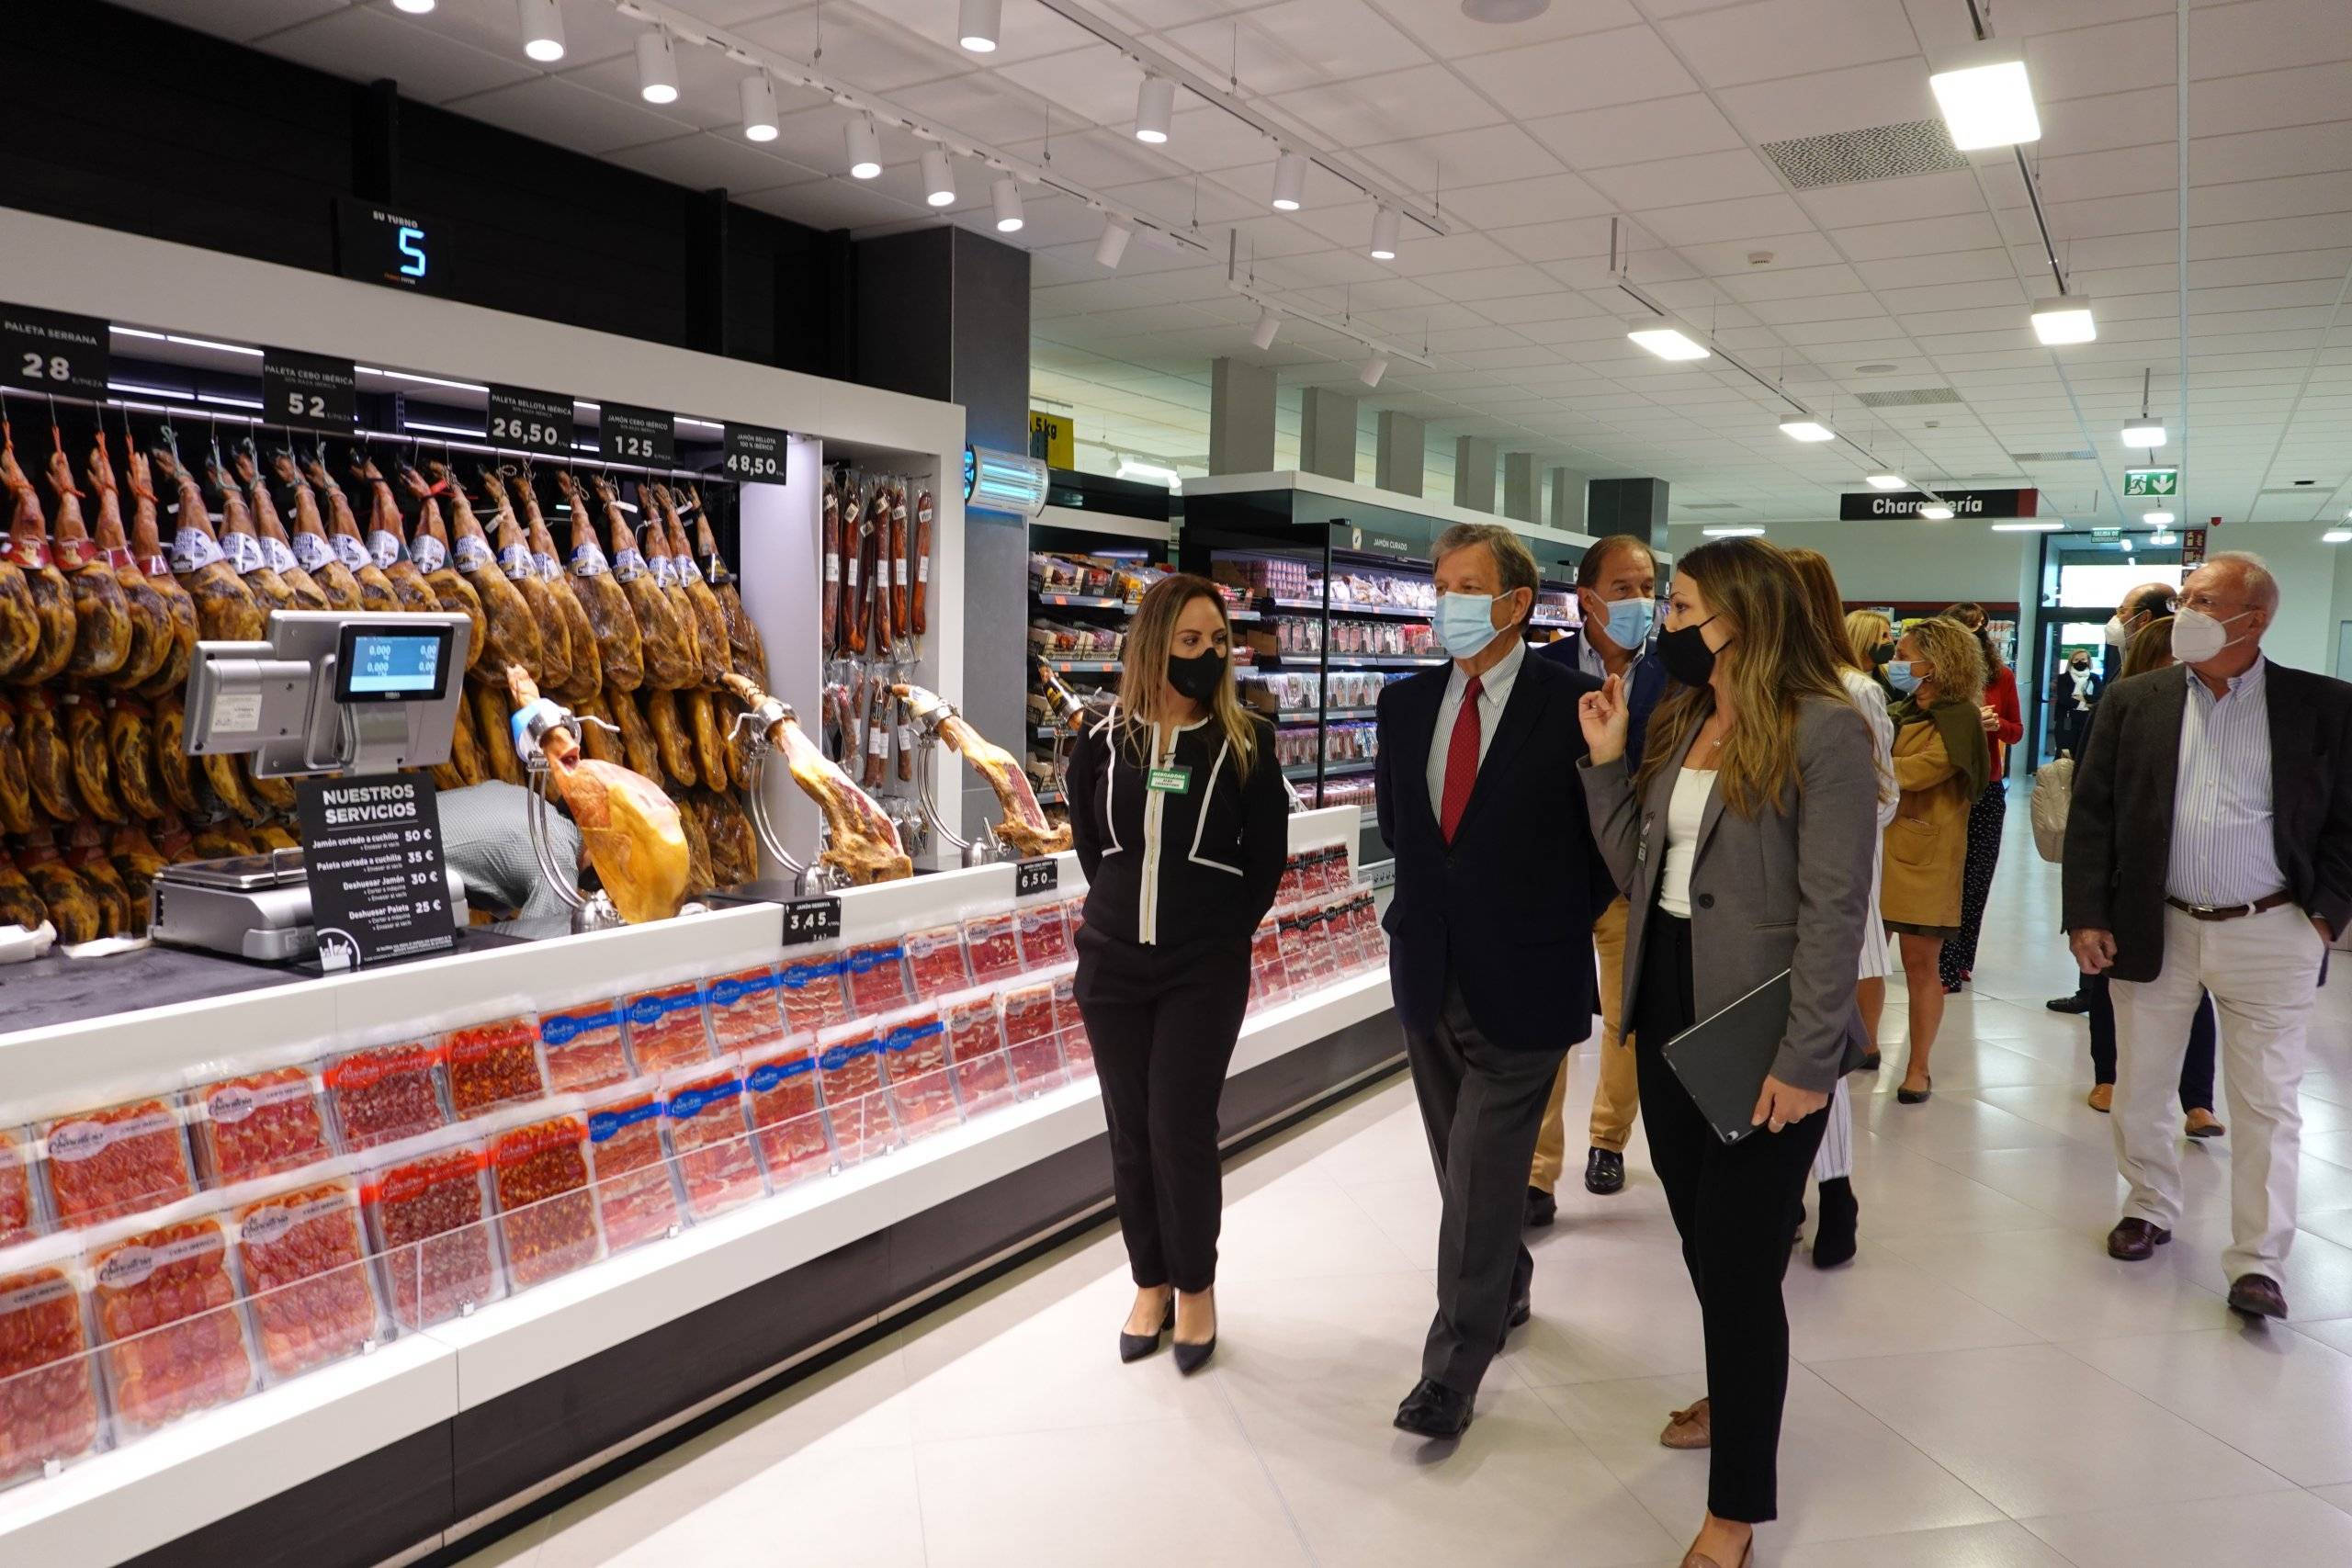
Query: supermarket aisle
[[1982, 1389]]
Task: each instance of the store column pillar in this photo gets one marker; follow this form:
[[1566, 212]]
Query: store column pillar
[[1400, 445], [1474, 473], [1519, 486], [1241, 418], [1566, 509], [1627, 506], [944, 314], [1327, 433]]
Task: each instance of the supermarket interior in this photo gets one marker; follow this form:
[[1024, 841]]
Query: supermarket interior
[[732, 730]]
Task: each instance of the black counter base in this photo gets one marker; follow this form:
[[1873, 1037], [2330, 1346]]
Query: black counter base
[[404, 1500]]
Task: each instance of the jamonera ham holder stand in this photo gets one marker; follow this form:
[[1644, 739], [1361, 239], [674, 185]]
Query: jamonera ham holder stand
[[982, 848], [590, 912], [811, 876]]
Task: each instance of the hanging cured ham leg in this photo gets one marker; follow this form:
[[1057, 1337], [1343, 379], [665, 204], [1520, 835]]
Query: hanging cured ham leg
[[151, 618], [376, 591], [52, 600], [102, 636], [863, 841], [1025, 827], [313, 553], [225, 606], [629, 827]]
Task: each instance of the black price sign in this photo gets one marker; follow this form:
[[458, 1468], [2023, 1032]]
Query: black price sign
[[626, 435], [1040, 875], [378, 869], [51, 352], [535, 421], [308, 388], [812, 920], [755, 454]]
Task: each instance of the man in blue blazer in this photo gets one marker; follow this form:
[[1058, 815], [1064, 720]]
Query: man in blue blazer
[[1617, 591], [1489, 935]]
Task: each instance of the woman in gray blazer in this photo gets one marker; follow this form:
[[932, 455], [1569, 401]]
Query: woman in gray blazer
[[1744, 847]]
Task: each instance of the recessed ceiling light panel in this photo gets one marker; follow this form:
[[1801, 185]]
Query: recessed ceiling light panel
[[1987, 100], [1668, 343], [1502, 11], [1806, 430]]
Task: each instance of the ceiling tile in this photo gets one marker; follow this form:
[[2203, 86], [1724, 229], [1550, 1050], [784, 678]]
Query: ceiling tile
[[1675, 182], [1540, 200], [1630, 133], [553, 109], [1448, 33], [1785, 37], [1425, 101], [1894, 201], [1823, 102], [2225, 41], [2264, 100], [1725, 220], [2091, 61], [243, 20], [363, 43], [1925, 237], [1496, 153], [1596, 70], [702, 160], [876, 53], [1024, 32], [1294, 43]]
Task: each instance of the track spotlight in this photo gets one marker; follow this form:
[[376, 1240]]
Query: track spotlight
[[1112, 245], [1384, 233], [977, 24], [1374, 369], [542, 30], [1155, 107], [759, 107], [1269, 323], [1290, 181], [938, 177], [865, 148], [1007, 197], [657, 68]]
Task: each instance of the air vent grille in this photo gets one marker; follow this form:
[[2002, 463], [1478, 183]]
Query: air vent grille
[[1910, 397], [1880, 152], [2084, 455]]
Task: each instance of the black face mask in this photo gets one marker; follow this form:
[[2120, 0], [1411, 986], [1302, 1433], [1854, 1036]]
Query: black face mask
[[1198, 676], [1881, 653], [1686, 654]]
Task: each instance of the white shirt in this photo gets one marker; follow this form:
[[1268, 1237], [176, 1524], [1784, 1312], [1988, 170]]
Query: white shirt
[[1684, 812], [2222, 850], [1494, 690], [1869, 699]]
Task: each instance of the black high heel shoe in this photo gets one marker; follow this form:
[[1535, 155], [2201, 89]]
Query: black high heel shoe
[[1135, 1346], [1191, 1359]]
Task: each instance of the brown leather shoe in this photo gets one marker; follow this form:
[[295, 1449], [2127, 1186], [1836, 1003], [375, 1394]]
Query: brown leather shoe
[[1692, 1428], [2257, 1296], [2203, 1124], [2135, 1241], [2102, 1098], [1695, 1557]]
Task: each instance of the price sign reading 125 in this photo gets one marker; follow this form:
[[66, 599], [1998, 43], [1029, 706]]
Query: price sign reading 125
[[756, 454]]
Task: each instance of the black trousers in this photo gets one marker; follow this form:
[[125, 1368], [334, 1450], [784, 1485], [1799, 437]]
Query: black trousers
[[1163, 1023], [1958, 959], [1732, 1205], [2196, 1068], [1482, 1106]]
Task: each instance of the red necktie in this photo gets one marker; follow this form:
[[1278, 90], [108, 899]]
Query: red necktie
[[1461, 760]]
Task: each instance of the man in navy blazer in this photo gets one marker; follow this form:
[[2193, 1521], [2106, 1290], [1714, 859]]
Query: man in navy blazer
[[1489, 935], [1617, 592]]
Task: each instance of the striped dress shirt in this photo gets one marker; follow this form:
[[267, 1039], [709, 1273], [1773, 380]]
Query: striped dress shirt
[[2223, 853]]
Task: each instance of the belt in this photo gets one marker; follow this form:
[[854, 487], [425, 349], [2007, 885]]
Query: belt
[[2228, 911]]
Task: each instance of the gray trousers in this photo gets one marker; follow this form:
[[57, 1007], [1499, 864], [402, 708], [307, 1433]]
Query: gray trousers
[[1482, 1106]]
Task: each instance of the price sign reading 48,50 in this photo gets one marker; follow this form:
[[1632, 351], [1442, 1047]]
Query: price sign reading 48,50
[[755, 454]]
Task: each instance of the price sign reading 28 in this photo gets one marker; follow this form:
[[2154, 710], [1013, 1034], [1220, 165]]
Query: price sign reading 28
[[756, 454], [532, 422]]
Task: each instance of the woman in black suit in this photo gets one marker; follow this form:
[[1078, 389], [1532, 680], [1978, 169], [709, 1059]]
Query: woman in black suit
[[1180, 818], [1745, 848]]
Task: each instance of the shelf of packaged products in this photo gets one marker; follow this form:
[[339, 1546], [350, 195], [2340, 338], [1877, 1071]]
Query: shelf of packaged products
[[1082, 665], [1390, 612], [1331, 770], [1126, 607], [1307, 716], [1560, 621], [1354, 661]]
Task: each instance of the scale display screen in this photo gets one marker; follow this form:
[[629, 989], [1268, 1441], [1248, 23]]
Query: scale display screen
[[392, 664]]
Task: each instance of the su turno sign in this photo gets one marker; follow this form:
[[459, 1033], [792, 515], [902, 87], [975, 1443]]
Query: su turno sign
[[1873, 505]]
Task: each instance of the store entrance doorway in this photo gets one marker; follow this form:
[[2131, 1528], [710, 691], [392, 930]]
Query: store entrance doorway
[[2084, 577], [2062, 633]]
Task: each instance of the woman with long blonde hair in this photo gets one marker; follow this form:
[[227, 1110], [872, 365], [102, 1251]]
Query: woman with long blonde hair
[[1181, 820], [1743, 846], [1870, 636], [1941, 761]]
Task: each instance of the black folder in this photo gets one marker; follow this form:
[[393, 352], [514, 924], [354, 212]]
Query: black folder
[[1723, 1060]]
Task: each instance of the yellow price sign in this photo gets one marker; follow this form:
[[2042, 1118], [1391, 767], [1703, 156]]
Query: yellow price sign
[[1053, 439]]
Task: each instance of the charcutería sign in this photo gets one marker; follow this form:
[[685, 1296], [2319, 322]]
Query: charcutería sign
[[1870, 506]]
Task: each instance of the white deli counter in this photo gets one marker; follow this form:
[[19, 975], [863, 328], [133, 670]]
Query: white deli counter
[[205, 1359]]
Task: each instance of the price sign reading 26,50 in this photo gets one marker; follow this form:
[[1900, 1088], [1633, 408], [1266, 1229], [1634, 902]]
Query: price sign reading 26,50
[[533, 421], [755, 454]]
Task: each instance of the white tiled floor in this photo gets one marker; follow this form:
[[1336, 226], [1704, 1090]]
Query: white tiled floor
[[1984, 1388]]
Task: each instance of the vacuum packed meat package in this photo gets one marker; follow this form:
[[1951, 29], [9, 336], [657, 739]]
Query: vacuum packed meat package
[[849, 1070], [547, 1217], [914, 1060], [167, 1315], [116, 1161], [19, 1215], [810, 988], [666, 1028], [992, 944], [307, 1281], [976, 1064], [1077, 1049], [258, 1125], [382, 1094], [635, 1197], [743, 1013], [584, 1047], [1269, 979], [935, 961], [49, 1396], [788, 1124], [430, 1221], [878, 978], [494, 1064], [1029, 1038], [716, 1162], [1044, 934]]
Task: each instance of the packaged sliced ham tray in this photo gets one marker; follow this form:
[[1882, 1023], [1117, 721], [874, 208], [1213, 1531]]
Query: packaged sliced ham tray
[[307, 1281], [1077, 1050], [849, 1070], [992, 944], [165, 1299], [976, 1064], [258, 1125], [428, 1215], [780, 1101], [716, 1162], [19, 1205], [914, 1060], [1029, 1038], [629, 1162], [125, 1159], [49, 1394], [935, 961], [583, 1048], [744, 1015], [1044, 934], [547, 1217], [808, 986], [494, 1064], [878, 978], [666, 1028], [380, 1094]]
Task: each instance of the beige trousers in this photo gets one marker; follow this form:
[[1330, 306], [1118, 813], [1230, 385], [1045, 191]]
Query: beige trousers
[[1614, 1099]]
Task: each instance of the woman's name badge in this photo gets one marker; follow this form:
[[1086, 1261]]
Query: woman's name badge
[[1169, 781]]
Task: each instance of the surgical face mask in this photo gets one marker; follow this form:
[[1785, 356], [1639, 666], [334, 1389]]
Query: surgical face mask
[[1196, 677], [1629, 621], [1903, 676], [1465, 623], [1686, 654], [2197, 637], [2117, 632]]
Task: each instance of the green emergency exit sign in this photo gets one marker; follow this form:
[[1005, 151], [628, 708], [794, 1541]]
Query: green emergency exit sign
[[2151, 481]]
